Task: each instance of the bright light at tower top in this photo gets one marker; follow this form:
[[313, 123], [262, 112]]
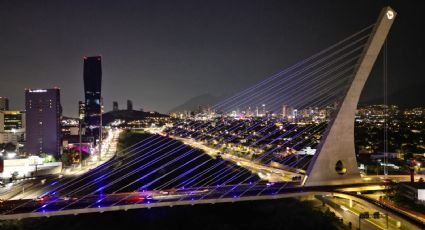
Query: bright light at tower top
[[390, 14]]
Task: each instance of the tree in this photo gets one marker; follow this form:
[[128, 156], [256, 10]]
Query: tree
[[66, 158], [9, 147], [408, 155], [47, 157]]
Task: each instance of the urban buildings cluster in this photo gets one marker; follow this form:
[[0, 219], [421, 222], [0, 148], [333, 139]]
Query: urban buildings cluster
[[391, 136], [405, 129], [270, 140], [386, 135], [40, 129], [289, 113]]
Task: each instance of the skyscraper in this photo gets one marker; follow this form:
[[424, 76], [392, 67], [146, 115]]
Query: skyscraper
[[92, 91], [4, 103], [284, 111], [43, 112], [129, 105], [115, 106]]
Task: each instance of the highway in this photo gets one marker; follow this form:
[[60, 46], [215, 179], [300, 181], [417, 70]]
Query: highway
[[31, 188], [127, 173], [52, 202], [52, 205], [347, 216], [108, 150], [87, 193], [265, 172], [350, 211]]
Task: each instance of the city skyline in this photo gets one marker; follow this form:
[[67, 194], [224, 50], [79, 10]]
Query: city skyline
[[316, 107], [151, 64]]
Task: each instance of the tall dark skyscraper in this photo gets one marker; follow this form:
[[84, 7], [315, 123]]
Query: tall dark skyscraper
[[129, 105], [43, 112], [92, 91], [115, 106]]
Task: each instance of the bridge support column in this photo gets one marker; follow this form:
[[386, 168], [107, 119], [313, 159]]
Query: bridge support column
[[335, 159]]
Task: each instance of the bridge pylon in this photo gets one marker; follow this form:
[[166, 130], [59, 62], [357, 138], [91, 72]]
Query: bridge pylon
[[335, 159]]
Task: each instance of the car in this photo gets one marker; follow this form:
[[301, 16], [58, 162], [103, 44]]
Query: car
[[168, 191], [69, 198], [219, 156], [43, 199], [269, 184], [135, 199], [164, 134], [387, 180]]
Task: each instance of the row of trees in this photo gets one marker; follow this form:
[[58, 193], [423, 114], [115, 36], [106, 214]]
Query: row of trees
[[72, 156], [8, 147]]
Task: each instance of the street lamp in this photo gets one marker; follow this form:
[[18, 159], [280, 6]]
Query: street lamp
[[80, 121]]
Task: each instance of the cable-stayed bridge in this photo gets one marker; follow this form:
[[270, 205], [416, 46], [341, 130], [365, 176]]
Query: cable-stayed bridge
[[162, 171]]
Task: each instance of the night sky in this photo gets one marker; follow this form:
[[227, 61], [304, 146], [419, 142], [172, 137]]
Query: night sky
[[161, 53]]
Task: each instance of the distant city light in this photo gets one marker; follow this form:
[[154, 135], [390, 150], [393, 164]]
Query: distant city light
[[37, 90]]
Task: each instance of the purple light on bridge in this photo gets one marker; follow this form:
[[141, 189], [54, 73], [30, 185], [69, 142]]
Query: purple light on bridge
[[53, 183]]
